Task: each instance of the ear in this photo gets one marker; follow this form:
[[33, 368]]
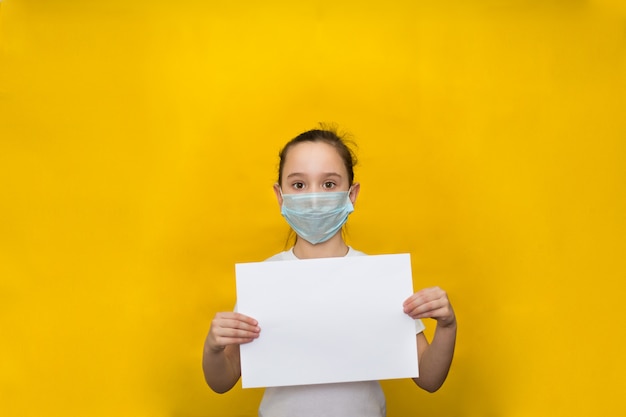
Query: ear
[[279, 196], [354, 192]]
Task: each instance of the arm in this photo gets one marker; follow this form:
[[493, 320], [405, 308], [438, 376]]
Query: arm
[[435, 358], [220, 360]]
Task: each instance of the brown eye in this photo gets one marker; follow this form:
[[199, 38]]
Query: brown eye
[[329, 185], [298, 185]]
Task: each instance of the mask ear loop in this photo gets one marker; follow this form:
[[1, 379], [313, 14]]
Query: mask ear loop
[[280, 189]]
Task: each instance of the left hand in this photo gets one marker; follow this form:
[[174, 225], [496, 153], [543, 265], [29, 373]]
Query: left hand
[[431, 303]]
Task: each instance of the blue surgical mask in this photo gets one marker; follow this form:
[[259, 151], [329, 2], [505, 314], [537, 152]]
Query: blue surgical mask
[[316, 217]]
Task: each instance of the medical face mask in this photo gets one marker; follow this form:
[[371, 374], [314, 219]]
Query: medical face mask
[[316, 217]]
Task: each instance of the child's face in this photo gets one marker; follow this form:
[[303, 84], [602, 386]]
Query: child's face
[[313, 167]]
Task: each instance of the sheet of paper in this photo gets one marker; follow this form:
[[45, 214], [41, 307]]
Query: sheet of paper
[[327, 320]]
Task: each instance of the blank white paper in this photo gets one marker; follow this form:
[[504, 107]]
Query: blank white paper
[[327, 320]]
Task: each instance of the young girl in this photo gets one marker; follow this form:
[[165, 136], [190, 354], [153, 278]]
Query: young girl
[[316, 192]]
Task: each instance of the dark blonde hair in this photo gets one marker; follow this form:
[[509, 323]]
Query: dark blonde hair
[[326, 135]]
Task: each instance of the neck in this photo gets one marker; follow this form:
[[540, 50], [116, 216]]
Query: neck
[[334, 247]]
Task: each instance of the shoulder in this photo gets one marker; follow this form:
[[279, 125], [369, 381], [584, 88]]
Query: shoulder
[[282, 256], [354, 252]]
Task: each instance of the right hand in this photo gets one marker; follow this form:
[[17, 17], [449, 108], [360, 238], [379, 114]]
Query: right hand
[[231, 329]]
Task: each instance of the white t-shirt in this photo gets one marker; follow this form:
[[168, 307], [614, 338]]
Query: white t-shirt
[[346, 399]]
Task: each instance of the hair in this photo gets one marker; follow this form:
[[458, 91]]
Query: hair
[[330, 136]]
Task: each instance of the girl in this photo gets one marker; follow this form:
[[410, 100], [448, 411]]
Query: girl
[[316, 193]]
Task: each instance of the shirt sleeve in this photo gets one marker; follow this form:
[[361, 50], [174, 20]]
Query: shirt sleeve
[[419, 326]]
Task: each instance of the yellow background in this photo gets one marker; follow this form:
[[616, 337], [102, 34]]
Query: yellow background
[[138, 147]]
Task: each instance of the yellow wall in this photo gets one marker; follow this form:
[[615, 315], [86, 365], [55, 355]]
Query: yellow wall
[[138, 144]]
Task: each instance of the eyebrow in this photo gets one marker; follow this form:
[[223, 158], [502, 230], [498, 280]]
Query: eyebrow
[[325, 174]]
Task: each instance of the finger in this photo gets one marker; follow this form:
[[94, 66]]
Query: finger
[[442, 314], [425, 295], [225, 341], [237, 316], [420, 303], [235, 321], [433, 313], [246, 319], [219, 344], [230, 332], [234, 328], [224, 336], [426, 308], [238, 324]]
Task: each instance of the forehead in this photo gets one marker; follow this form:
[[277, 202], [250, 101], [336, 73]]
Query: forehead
[[314, 158]]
